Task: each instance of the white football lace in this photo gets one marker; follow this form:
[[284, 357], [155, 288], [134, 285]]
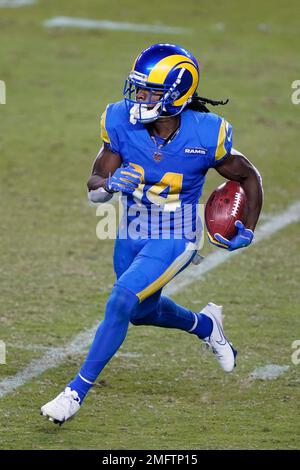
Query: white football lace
[[236, 204]]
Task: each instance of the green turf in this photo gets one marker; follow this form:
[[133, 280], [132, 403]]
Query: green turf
[[55, 275]]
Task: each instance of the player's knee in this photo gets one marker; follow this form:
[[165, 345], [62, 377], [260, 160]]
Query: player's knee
[[121, 303], [145, 311]]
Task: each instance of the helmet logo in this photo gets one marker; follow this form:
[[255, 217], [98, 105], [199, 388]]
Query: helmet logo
[[169, 74]]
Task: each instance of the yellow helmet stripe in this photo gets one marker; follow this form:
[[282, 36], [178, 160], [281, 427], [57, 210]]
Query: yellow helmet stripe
[[192, 89], [162, 68], [133, 65]]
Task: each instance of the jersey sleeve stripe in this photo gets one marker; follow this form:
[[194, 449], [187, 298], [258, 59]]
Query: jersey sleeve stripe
[[221, 150], [104, 133]]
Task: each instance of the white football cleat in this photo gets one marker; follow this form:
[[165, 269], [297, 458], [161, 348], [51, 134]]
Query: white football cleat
[[63, 407], [217, 341]]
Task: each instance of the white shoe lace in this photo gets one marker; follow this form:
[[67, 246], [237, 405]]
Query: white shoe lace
[[63, 407], [68, 393]]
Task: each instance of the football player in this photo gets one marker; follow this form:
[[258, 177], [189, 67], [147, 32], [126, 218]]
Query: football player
[[158, 144]]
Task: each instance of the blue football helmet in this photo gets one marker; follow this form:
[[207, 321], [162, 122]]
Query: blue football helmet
[[165, 69]]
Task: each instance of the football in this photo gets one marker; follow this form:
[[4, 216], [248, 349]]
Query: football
[[226, 205]]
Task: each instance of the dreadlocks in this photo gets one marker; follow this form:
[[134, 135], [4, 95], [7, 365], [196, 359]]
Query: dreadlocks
[[198, 103]]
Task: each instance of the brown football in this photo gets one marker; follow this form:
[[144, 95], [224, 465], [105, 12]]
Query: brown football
[[226, 205]]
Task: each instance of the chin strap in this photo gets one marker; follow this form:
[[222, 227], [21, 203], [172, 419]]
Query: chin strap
[[140, 112]]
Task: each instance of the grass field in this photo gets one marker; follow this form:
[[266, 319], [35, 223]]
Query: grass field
[[168, 393]]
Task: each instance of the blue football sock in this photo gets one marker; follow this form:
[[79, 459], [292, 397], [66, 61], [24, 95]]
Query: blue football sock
[[81, 385], [203, 325], [109, 337], [168, 314]]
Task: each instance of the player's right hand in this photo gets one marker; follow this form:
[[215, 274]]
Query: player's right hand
[[124, 179], [242, 239]]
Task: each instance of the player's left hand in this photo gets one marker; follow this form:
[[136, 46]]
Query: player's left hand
[[125, 179], [242, 239]]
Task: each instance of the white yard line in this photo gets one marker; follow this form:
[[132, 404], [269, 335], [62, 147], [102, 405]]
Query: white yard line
[[195, 273], [16, 3], [52, 358], [86, 23], [56, 356], [268, 372]]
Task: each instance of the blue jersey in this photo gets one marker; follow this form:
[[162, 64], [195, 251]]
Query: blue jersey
[[173, 173]]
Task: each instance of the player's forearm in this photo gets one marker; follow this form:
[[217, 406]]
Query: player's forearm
[[95, 182], [97, 192], [238, 168], [252, 186], [104, 165]]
